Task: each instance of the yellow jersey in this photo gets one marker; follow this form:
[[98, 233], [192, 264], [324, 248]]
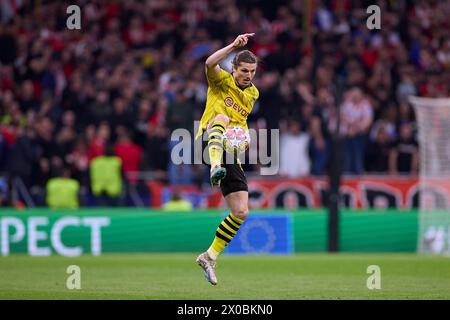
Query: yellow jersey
[[225, 97]]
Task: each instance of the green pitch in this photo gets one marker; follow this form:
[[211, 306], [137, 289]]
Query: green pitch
[[176, 276]]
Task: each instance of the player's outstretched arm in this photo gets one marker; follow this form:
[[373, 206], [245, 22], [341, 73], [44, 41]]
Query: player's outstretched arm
[[212, 63]]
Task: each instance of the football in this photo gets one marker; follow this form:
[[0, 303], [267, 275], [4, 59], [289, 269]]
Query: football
[[236, 140]]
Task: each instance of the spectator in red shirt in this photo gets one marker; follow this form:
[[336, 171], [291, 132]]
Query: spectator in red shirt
[[97, 145], [129, 152]]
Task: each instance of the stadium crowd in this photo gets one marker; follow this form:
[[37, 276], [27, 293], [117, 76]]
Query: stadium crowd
[[134, 72]]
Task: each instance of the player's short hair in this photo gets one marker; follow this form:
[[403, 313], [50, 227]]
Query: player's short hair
[[244, 56]]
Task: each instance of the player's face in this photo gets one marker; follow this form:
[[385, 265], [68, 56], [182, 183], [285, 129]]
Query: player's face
[[244, 73]]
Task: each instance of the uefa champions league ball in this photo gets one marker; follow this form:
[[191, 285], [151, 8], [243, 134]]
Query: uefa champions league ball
[[236, 140]]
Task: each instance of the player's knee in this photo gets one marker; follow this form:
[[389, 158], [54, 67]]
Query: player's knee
[[241, 213], [222, 118]]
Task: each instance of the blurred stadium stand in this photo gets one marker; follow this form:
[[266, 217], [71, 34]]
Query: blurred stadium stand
[[134, 73]]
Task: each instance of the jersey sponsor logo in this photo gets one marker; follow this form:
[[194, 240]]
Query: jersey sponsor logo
[[229, 102]]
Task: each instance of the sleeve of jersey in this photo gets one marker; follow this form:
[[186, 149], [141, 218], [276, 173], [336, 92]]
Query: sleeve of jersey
[[216, 80], [256, 94]]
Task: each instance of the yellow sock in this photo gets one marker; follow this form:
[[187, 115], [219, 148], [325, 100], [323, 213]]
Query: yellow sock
[[224, 234], [215, 143]]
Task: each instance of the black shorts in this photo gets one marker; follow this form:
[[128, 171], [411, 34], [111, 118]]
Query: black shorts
[[235, 179]]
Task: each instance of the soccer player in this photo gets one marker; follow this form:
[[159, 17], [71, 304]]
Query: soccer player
[[230, 100]]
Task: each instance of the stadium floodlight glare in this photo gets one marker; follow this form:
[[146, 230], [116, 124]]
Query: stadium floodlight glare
[[433, 122]]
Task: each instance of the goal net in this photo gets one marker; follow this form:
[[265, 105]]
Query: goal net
[[433, 121]]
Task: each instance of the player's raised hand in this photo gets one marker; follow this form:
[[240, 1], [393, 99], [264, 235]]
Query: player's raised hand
[[242, 39]]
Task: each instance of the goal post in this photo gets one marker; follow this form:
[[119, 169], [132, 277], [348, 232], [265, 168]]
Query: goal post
[[433, 124]]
